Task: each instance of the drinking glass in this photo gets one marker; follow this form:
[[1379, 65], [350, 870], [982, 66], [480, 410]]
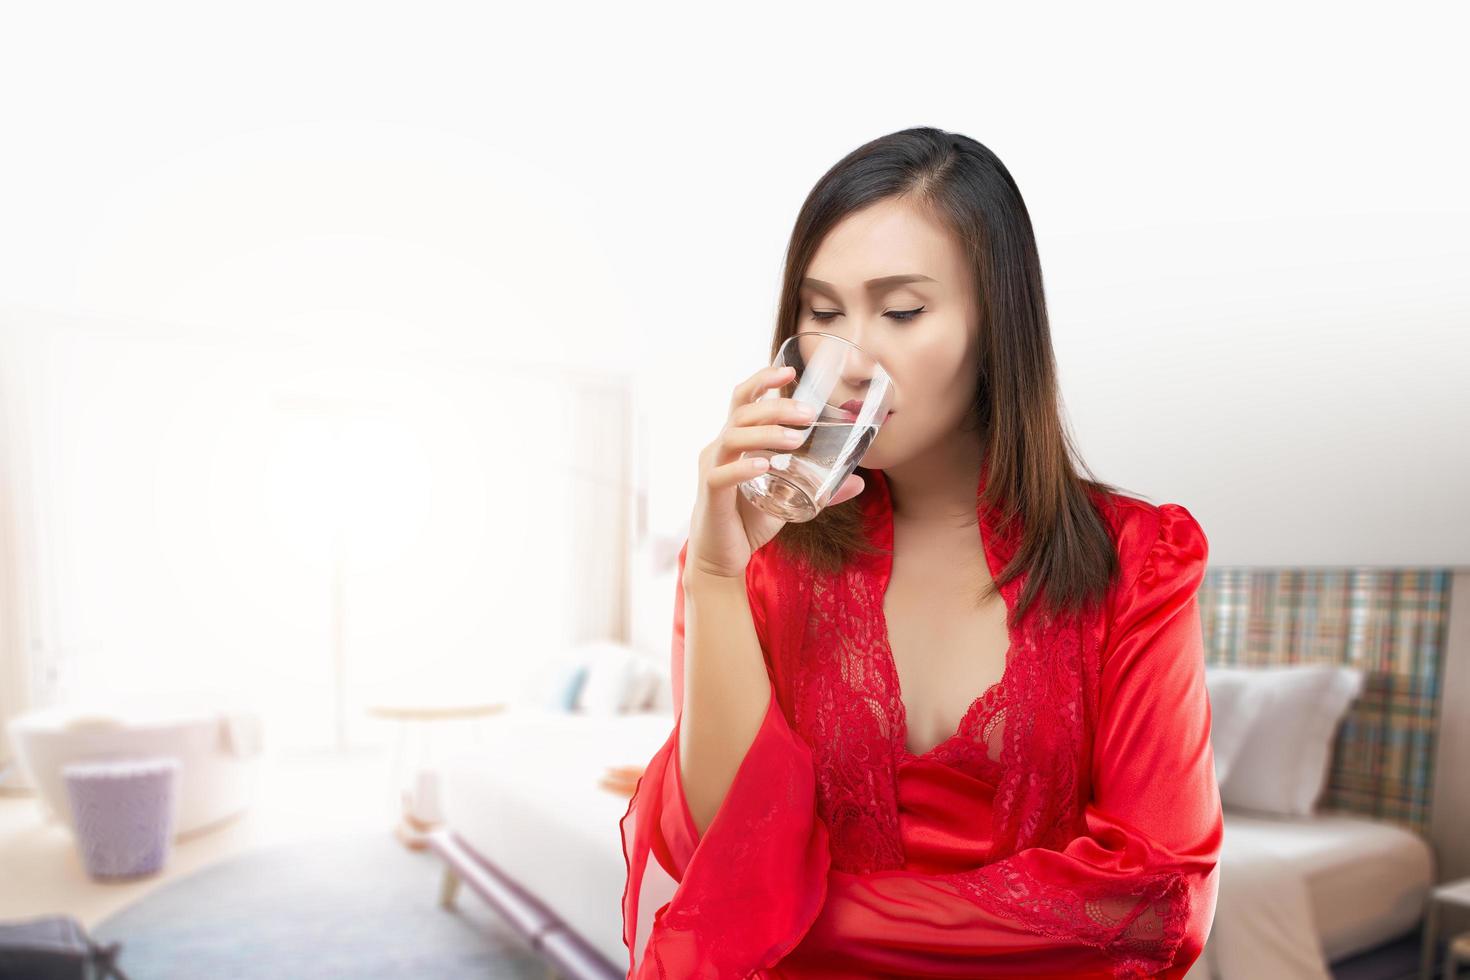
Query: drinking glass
[[851, 392]]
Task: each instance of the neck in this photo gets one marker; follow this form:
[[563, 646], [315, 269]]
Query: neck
[[938, 486]]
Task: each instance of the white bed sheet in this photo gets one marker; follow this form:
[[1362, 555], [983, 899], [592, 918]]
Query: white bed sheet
[[1299, 892]]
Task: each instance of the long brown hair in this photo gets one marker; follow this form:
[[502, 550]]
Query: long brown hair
[[1065, 546]]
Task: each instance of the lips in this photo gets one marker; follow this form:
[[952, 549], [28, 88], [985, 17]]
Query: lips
[[852, 406]]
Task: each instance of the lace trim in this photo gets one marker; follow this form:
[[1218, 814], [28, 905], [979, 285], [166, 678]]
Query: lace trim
[[1047, 746], [844, 707], [1029, 735], [978, 746], [1140, 923]]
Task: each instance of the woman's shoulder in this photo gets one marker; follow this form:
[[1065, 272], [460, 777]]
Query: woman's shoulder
[[1164, 536]]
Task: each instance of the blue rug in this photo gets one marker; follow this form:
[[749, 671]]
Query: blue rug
[[363, 907]]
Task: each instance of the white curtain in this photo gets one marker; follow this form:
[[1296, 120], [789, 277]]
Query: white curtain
[[603, 473], [311, 525], [24, 676]]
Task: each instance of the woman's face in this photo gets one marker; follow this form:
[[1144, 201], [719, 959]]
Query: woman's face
[[931, 355]]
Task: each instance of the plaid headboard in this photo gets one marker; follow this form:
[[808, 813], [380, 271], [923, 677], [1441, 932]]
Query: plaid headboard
[[1389, 623]]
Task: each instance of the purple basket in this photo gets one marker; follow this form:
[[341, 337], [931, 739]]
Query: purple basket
[[123, 814]]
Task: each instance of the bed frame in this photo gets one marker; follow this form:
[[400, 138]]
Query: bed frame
[[568, 956]]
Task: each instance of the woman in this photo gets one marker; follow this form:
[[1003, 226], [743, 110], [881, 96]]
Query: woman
[[956, 725]]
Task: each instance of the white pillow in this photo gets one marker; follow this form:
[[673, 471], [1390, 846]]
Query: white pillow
[[1235, 704], [653, 675], [663, 696], [552, 682], [615, 678], [1282, 767]]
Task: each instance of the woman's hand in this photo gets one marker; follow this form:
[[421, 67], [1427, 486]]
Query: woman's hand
[[726, 529]]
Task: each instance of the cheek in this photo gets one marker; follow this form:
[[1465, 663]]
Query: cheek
[[933, 388], [932, 379]]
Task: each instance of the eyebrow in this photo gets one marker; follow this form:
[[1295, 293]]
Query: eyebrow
[[873, 285]]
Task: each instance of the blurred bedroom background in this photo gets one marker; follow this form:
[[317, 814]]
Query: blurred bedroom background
[[354, 364]]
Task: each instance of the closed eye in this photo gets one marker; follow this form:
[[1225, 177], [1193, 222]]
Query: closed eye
[[903, 316]]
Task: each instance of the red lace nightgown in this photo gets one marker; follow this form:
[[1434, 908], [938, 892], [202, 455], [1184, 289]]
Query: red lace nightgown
[[1070, 827]]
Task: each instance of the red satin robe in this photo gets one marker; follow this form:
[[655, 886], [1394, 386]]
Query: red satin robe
[[1070, 827]]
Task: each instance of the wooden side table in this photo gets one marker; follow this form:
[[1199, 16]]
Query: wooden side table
[[414, 774], [1450, 893]]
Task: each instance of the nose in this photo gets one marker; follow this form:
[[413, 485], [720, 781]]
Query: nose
[[859, 370], [836, 372], [863, 332]]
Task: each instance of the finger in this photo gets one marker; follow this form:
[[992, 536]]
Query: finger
[[738, 471], [787, 410], [751, 388], [776, 438]]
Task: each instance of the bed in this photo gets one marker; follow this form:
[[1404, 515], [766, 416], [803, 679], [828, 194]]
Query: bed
[[531, 831]]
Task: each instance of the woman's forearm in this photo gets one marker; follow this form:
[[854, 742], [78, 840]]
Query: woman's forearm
[[726, 690]]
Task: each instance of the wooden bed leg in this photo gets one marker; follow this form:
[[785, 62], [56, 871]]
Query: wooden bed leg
[[448, 887], [1426, 954]]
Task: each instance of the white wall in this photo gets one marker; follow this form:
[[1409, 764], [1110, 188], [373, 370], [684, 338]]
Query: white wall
[[1250, 219]]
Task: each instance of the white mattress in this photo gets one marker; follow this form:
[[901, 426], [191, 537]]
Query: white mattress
[[529, 801], [1365, 880]]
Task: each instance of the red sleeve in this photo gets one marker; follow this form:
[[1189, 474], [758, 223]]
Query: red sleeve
[[751, 885], [1135, 894]]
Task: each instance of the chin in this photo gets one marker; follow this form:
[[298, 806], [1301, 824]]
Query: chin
[[879, 454]]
